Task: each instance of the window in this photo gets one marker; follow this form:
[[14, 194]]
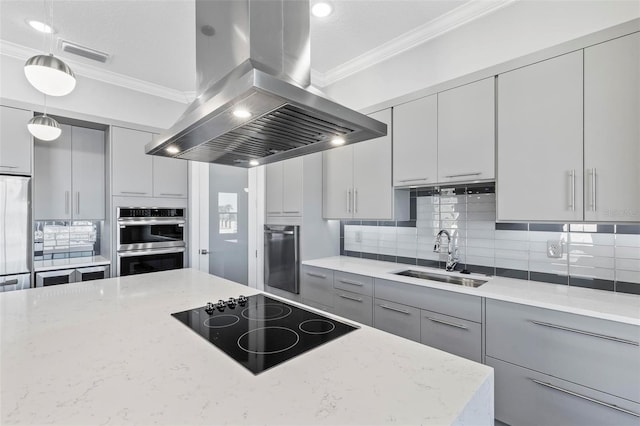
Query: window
[[227, 213]]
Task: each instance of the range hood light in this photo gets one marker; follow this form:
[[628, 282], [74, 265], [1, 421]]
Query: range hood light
[[254, 163], [321, 10], [337, 141], [173, 150], [241, 113]]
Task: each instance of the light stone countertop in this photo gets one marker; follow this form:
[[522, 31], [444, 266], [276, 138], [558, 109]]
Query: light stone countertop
[[72, 262], [108, 352], [620, 307]]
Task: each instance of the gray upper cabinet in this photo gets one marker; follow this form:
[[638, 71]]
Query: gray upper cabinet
[[170, 177], [611, 130], [69, 180], [132, 168], [540, 141], [284, 183], [357, 178], [273, 192], [15, 141], [415, 142], [466, 132]]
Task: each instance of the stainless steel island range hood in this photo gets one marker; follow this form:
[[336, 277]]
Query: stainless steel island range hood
[[253, 78]]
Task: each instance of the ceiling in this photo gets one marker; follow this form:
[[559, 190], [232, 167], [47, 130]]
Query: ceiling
[[154, 40]]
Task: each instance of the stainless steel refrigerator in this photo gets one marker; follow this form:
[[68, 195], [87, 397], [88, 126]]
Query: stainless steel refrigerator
[[15, 233]]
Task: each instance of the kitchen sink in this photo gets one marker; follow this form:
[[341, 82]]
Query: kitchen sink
[[463, 281]]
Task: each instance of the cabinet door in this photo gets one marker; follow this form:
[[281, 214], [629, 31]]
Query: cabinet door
[[453, 335], [612, 130], [466, 132], [540, 141], [15, 141], [87, 171], [372, 186], [274, 189], [169, 177], [415, 142], [401, 320], [132, 168], [337, 179], [292, 175], [52, 178], [357, 307], [316, 285]]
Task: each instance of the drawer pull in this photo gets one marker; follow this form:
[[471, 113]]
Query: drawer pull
[[133, 192], [311, 274], [452, 324], [587, 333], [391, 308], [170, 194], [568, 392], [413, 180], [352, 282], [291, 211], [464, 174], [10, 282], [355, 299], [9, 167]]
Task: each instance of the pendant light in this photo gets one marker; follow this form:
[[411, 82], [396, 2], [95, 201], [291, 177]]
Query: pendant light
[[44, 127], [48, 74]]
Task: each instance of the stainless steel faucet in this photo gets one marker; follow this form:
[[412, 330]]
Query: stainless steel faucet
[[452, 252]]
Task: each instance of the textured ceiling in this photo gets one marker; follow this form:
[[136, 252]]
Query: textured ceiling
[[153, 40]]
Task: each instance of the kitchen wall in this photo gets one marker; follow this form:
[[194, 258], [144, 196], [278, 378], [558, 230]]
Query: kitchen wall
[[601, 256], [517, 29]]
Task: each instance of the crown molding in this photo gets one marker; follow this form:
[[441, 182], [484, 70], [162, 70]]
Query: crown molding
[[461, 15], [22, 52]]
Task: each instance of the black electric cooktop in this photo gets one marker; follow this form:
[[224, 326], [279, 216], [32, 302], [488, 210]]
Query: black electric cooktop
[[260, 332]]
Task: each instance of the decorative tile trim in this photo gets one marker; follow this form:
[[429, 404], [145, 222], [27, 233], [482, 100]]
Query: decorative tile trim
[[479, 269], [549, 278], [512, 226], [428, 263], [625, 287], [627, 229], [407, 260], [594, 283], [548, 227], [512, 273]]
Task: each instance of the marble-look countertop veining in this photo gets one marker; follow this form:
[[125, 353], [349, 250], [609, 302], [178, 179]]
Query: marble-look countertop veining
[[72, 262], [620, 307], [108, 352]]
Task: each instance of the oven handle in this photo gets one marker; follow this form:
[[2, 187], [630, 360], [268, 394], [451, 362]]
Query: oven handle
[[153, 251], [134, 222]]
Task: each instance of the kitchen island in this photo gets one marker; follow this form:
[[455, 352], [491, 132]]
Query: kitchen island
[[109, 352]]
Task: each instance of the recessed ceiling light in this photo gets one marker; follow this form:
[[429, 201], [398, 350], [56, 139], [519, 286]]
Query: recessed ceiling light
[[172, 150], [41, 26], [321, 9], [241, 113], [337, 141], [254, 163]]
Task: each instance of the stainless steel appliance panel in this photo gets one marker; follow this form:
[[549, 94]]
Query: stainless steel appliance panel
[[15, 282], [48, 278], [92, 273], [149, 228], [15, 224], [144, 261], [281, 263]]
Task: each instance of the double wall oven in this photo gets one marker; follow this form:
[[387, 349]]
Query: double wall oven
[[150, 239]]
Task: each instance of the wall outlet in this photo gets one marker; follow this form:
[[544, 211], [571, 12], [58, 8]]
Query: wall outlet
[[554, 248], [358, 236]]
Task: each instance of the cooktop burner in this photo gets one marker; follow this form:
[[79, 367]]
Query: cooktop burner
[[260, 332]]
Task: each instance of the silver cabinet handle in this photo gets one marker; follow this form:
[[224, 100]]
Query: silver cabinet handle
[[586, 333], [311, 274], [9, 167], [464, 174], [586, 398], [452, 324], [572, 190], [593, 189], [355, 201], [133, 192], [78, 202], [66, 202], [391, 308], [9, 282], [355, 299], [349, 201], [352, 282], [273, 212], [413, 179], [171, 194], [279, 232]]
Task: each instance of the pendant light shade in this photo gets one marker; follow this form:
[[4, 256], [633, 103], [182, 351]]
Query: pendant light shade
[[44, 128], [50, 75]]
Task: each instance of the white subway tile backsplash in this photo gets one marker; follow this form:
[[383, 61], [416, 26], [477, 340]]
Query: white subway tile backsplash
[[476, 242], [623, 240], [591, 272], [511, 245], [512, 235], [627, 252], [628, 264], [480, 260], [627, 276], [591, 261], [511, 254], [585, 249], [594, 239], [548, 267], [504, 262]]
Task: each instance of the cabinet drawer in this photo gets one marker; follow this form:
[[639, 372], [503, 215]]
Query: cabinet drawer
[[442, 301], [354, 306], [316, 285], [353, 282], [600, 354], [401, 320], [524, 397], [453, 335]]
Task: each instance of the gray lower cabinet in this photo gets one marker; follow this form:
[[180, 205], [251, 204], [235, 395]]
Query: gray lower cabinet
[[353, 282], [401, 320], [15, 141], [354, 306], [599, 354], [450, 334], [525, 397], [316, 286]]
